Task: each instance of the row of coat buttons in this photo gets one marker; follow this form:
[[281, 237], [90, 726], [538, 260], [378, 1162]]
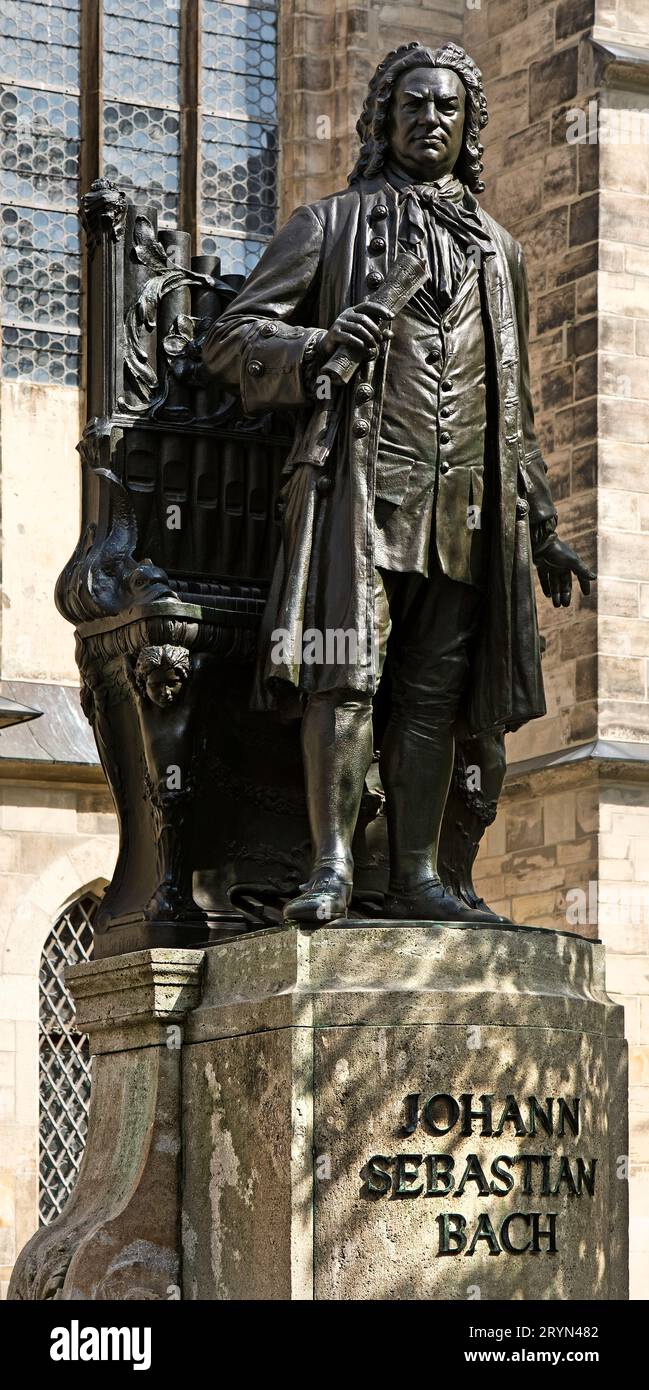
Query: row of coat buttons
[[445, 410], [268, 330], [363, 393], [360, 428], [378, 245]]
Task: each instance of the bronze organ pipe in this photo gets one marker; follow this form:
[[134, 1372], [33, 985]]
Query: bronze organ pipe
[[206, 303]]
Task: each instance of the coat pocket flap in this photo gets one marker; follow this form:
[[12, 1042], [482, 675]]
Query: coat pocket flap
[[392, 478]]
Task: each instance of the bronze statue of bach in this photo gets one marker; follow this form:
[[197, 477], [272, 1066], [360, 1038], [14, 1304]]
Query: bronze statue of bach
[[416, 502]]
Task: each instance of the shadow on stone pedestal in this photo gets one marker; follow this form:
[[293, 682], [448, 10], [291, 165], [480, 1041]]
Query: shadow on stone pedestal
[[368, 1112]]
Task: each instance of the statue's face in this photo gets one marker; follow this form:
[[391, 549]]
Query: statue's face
[[427, 122], [163, 686]]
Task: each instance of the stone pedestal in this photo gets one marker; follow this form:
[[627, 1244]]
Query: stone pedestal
[[118, 1237], [368, 1112]]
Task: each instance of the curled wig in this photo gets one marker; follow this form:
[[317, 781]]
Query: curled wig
[[373, 126]]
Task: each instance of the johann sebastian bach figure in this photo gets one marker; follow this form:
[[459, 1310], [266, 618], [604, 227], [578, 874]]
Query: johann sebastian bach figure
[[416, 502]]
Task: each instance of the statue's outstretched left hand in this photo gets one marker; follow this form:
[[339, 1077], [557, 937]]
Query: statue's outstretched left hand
[[556, 563]]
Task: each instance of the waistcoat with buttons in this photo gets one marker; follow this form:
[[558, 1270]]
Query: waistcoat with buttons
[[430, 467]]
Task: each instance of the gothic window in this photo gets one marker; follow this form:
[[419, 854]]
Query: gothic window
[[141, 112], [64, 1061], [178, 101], [39, 120], [238, 146]]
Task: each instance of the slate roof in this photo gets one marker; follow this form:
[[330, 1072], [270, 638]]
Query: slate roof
[[62, 733]]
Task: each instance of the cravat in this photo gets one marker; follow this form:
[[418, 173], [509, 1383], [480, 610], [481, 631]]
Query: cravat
[[427, 208]]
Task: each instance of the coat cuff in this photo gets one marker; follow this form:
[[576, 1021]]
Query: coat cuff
[[539, 495], [273, 366], [540, 533], [313, 363]]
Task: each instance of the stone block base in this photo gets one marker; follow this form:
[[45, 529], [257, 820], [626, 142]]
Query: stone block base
[[365, 1112]]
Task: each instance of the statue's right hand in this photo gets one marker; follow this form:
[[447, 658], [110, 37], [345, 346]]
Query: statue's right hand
[[360, 330]]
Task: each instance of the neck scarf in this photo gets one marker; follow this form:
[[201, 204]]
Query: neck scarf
[[436, 223]]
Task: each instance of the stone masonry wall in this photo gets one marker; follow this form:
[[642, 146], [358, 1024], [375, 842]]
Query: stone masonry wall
[[329, 49], [570, 846], [537, 64], [623, 531]]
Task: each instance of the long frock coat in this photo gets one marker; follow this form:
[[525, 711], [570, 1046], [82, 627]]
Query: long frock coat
[[328, 256]]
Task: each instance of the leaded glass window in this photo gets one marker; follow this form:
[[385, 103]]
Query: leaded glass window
[[141, 115], [238, 144], [39, 120], [64, 1061], [180, 110]]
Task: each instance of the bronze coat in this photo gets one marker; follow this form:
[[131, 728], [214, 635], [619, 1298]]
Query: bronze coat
[[315, 267]]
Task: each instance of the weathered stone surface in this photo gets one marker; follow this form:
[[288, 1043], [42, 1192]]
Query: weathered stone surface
[[118, 1236], [128, 1001], [296, 1066], [388, 1246], [552, 81], [247, 1217]]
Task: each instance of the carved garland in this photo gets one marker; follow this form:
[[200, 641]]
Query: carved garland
[[141, 318]]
